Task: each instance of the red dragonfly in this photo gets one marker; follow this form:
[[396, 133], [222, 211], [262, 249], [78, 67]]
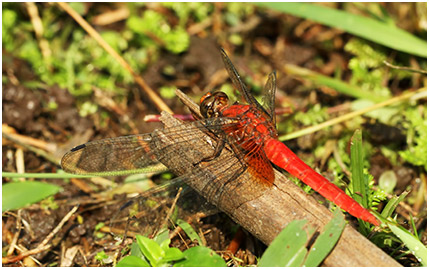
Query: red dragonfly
[[246, 130]]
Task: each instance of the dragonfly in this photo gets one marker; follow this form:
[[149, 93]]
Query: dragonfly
[[246, 130]]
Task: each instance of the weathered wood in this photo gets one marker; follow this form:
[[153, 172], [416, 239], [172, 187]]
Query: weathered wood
[[269, 210]]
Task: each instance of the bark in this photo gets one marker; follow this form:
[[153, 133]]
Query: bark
[[264, 212]]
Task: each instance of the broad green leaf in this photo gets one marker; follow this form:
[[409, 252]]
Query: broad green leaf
[[135, 251], [132, 261], [288, 248], [173, 254], [200, 257], [163, 239], [150, 249], [364, 27], [413, 244], [326, 240], [189, 231], [19, 194]]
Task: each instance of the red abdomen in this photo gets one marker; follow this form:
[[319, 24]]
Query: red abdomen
[[283, 157]]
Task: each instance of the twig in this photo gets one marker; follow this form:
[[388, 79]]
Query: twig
[[17, 139], [38, 29], [44, 244], [177, 232], [110, 230], [27, 261], [19, 159], [113, 16], [16, 235], [196, 28], [50, 147], [351, 115], [170, 212], [62, 222], [94, 34], [405, 68], [21, 256]]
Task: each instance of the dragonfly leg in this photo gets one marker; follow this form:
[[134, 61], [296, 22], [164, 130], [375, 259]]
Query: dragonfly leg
[[215, 189], [229, 179], [217, 151]]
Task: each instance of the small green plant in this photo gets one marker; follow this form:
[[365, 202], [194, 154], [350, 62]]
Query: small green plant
[[103, 258], [175, 39], [314, 115], [148, 252], [367, 67]]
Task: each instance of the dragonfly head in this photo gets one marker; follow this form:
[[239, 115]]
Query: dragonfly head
[[213, 103]]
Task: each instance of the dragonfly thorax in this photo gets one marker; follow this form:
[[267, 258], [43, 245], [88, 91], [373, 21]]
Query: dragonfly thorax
[[250, 124]]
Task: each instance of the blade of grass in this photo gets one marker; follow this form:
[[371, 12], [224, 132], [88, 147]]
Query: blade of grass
[[360, 187], [364, 27], [189, 231], [333, 83], [392, 204], [42, 175], [413, 244], [288, 248], [326, 240]]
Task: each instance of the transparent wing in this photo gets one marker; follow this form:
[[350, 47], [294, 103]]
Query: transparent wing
[[135, 153], [269, 96], [111, 156], [238, 83]]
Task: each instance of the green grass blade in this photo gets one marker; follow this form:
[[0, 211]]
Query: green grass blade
[[19, 194], [42, 175], [332, 83], [288, 248], [413, 244], [189, 231], [364, 27], [392, 204], [326, 240], [358, 178]]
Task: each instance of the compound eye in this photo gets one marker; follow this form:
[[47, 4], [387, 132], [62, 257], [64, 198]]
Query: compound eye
[[212, 104]]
